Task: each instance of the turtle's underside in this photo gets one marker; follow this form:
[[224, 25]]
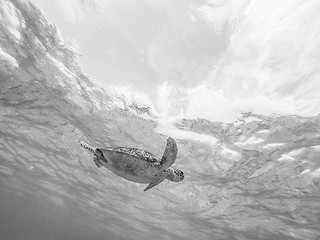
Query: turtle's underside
[[138, 165]]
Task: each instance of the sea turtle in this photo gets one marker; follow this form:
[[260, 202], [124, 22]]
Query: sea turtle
[[138, 165]]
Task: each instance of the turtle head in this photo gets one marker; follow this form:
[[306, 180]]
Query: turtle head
[[175, 175]]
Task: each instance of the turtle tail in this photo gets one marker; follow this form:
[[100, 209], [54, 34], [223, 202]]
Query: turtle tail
[[87, 146]]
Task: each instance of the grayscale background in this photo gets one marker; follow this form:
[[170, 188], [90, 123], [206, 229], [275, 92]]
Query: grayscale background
[[236, 83]]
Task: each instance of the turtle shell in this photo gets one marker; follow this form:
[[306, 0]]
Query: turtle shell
[[135, 152]]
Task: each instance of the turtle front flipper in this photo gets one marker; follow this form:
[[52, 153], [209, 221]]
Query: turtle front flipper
[[151, 185], [169, 155]]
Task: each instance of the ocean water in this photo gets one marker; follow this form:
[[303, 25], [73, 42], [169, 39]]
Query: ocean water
[[250, 171]]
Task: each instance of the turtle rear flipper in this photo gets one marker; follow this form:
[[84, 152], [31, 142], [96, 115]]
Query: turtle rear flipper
[[99, 158], [98, 162], [170, 154], [98, 155]]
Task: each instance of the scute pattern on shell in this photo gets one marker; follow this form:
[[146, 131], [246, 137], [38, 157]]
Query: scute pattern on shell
[[137, 153]]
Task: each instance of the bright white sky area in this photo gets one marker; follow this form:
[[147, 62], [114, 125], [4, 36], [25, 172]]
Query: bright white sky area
[[199, 59]]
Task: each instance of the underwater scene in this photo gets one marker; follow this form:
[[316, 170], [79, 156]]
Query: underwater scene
[[235, 83]]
